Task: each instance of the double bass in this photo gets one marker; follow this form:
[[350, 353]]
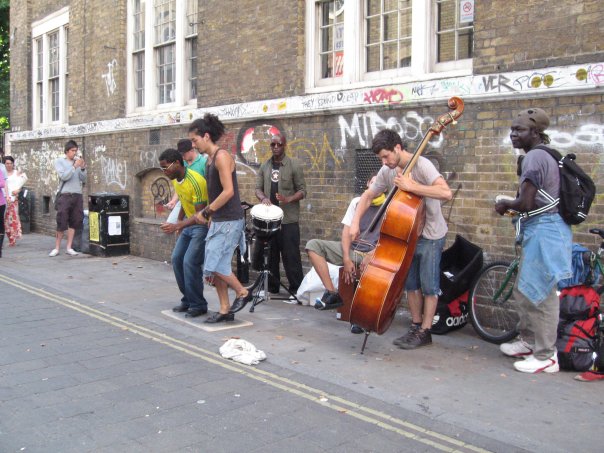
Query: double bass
[[382, 281]]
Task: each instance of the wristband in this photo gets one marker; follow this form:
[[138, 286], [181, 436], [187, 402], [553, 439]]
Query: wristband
[[206, 213]]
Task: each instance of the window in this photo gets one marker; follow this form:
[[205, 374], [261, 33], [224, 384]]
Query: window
[[50, 66], [191, 46], [455, 39], [162, 43], [138, 52], [359, 42]]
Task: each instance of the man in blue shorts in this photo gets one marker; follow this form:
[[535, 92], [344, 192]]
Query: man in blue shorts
[[423, 281]]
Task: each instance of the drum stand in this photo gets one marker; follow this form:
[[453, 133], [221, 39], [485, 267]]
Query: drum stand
[[261, 282]]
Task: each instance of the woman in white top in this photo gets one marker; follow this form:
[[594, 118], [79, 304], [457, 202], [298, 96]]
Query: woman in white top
[[14, 182]]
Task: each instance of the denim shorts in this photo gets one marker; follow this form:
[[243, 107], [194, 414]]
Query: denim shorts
[[424, 272], [221, 241]]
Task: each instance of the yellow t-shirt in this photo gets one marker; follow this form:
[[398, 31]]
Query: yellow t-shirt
[[192, 190]]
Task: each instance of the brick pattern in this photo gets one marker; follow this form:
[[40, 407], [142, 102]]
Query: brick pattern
[[473, 157], [516, 35], [269, 65]]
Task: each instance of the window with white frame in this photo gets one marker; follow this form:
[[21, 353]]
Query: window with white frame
[[162, 43], [50, 67], [362, 41]]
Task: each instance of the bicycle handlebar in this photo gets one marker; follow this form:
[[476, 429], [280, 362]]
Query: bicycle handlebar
[[597, 231]]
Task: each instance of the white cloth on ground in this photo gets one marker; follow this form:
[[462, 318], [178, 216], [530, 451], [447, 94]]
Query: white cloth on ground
[[241, 351], [312, 283]]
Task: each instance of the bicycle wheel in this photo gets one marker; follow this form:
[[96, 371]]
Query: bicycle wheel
[[491, 303]]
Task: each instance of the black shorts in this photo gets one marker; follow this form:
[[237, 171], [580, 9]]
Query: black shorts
[[70, 211]]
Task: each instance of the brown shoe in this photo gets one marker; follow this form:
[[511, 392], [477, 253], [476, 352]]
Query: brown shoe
[[417, 339], [401, 340]]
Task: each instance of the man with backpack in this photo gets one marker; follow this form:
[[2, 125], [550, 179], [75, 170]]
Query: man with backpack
[[546, 246]]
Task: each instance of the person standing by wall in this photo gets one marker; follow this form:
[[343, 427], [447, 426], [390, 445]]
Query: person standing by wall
[[224, 214], [14, 182], [282, 178], [546, 248], [71, 170], [188, 253]]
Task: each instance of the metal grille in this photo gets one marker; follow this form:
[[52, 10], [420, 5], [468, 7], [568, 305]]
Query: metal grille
[[366, 163], [154, 136]]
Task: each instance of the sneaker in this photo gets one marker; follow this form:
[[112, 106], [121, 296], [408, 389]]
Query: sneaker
[[417, 339], [53, 252], [518, 348], [589, 376], [328, 301], [71, 252], [534, 365], [356, 329], [291, 300], [400, 340]]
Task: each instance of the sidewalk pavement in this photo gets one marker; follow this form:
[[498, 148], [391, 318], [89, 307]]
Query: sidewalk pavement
[[459, 381]]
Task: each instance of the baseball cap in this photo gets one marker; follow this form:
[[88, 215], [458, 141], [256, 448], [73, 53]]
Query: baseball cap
[[535, 117], [184, 145]]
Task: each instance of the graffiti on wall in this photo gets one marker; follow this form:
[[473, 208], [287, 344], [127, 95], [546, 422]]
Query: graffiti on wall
[[113, 170], [253, 148], [558, 80], [361, 127], [254, 140], [588, 135], [109, 78], [41, 162], [161, 191]]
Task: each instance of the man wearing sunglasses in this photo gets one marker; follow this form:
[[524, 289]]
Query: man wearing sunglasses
[[280, 181], [188, 254]]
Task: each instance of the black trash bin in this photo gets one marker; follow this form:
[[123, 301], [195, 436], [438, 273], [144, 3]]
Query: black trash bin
[[109, 224], [25, 209]]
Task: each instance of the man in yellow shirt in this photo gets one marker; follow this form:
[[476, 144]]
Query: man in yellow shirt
[[188, 253]]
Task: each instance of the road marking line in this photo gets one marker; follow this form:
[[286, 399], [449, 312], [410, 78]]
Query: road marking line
[[315, 395]]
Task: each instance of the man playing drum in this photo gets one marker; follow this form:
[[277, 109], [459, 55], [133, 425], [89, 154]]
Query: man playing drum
[[282, 178]]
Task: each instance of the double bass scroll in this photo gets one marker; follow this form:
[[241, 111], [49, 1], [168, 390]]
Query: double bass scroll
[[382, 281]]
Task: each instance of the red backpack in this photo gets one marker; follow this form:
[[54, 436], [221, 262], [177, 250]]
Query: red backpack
[[578, 327]]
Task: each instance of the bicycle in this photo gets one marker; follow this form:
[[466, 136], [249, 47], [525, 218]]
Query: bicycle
[[491, 302]]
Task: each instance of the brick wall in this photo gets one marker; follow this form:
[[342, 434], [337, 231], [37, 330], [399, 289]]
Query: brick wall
[[474, 156], [97, 59], [270, 64], [513, 35], [20, 65], [252, 50]]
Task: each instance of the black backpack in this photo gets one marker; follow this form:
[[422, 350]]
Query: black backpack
[[577, 190]]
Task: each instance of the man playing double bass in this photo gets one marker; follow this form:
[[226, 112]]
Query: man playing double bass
[[423, 279]]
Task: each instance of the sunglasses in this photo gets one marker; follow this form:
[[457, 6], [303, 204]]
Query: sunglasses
[[165, 169]]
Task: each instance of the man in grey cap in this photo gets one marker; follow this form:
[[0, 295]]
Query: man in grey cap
[[546, 247]]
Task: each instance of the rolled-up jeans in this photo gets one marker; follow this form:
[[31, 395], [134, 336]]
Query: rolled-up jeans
[[187, 262]]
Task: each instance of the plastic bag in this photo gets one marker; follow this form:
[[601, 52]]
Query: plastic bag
[[242, 351]]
